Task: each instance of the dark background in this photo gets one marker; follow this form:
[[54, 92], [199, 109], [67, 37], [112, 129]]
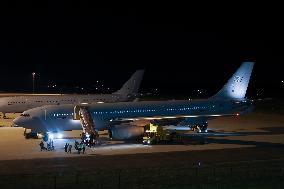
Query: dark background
[[72, 45]]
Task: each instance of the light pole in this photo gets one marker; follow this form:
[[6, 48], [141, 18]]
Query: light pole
[[33, 82]]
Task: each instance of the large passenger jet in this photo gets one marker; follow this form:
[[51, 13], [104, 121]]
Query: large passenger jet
[[229, 101], [18, 104]]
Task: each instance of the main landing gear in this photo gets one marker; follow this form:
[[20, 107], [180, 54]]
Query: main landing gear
[[200, 127]]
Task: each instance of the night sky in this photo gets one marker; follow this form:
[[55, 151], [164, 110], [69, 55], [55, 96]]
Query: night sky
[[73, 45]]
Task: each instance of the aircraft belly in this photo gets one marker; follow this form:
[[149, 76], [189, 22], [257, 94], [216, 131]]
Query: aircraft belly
[[64, 125]]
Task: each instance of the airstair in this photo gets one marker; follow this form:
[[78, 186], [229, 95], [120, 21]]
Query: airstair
[[83, 114]]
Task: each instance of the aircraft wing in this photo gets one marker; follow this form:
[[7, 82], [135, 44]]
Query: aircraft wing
[[206, 116]]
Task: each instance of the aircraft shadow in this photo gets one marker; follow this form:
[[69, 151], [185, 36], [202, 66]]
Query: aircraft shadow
[[209, 138], [242, 142], [268, 131]]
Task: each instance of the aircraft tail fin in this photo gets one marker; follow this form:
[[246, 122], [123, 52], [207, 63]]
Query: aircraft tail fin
[[236, 86], [131, 86]]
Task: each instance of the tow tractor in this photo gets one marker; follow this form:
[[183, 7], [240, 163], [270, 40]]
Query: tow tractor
[[155, 134]]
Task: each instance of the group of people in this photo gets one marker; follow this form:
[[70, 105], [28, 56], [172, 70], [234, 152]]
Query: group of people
[[78, 146], [68, 148], [49, 145]]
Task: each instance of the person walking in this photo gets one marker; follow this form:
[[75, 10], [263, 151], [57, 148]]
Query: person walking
[[69, 148], [83, 147], [66, 147], [41, 144]]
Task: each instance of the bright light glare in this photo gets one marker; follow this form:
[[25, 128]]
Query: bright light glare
[[74, 121], [51, 136], [59, 135]]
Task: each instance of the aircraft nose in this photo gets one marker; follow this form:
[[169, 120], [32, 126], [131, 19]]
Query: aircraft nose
[[21, 121], [33, 123]]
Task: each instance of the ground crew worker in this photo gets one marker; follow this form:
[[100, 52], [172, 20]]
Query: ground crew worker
[[83, 147], [69, 148], [66, 147], [41, 144]]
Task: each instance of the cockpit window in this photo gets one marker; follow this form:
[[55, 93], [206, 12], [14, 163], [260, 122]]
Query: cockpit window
[[25, 115]]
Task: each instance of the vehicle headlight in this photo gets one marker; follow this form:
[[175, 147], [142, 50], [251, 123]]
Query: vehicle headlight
[[59, 135], [51, 136]]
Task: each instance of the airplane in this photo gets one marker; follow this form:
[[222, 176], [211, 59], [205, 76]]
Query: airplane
[[229, 101], [18, 104]]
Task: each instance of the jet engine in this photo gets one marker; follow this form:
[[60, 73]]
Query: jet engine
[[126, 132]]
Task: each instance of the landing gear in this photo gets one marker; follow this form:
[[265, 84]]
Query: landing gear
[[110, 133], [31, 134], [200, 127]]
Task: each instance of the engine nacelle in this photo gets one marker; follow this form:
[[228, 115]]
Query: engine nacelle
[[126, 132]]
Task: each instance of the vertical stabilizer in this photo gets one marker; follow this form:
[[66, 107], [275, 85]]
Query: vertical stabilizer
[[131, 87], [237, 85]]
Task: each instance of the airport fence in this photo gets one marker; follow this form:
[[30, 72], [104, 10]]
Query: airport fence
[[231, 175]]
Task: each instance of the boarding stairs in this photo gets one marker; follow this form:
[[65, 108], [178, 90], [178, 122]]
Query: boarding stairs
[[86, 120]]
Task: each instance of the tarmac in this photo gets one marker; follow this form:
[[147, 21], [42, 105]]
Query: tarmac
[[256, 136]]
